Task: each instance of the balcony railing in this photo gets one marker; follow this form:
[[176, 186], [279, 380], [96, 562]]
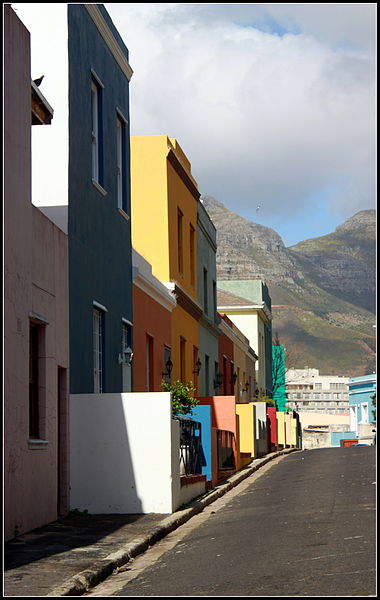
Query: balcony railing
[[190, 454], [226, 450]]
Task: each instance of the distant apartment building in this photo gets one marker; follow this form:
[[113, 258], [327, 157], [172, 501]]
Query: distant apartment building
[[307, 390]]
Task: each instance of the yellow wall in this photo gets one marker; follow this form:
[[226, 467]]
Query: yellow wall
[[186, 326], [180, 197], [246, 414], [158, 190], [280, 416], [288, 436], [293, 432], [149, 213]]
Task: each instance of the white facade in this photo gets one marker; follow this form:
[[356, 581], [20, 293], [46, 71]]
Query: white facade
[[308, 390], [125, 454]]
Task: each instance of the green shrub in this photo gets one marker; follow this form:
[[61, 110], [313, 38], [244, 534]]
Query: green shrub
[[182, 399]]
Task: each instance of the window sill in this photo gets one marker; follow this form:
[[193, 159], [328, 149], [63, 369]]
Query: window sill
[[124, 214], [34, 444], [99, 187]]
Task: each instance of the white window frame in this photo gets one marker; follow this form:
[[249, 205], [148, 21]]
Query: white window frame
[[121, 124], [96, 132], [364, 413], [98, 335], [126, 333]]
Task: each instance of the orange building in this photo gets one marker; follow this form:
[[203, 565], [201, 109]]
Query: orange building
[[152, 310]]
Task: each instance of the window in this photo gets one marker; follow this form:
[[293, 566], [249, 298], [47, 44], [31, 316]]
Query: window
[[121, 159], [232, 382], [167, 357], [192, 255], [216, 371], [214, 298], [195, 359], [207, 375], [36, 353], [225, 380], [182, 359], [317, 386], [205, 291], [97, 133], [180, 241], [364, 411], [126, 349], [98, 341], [149, 364]]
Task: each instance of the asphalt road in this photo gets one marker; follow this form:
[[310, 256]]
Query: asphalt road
[[305, 527]]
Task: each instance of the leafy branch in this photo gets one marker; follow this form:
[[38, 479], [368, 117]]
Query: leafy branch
[[183, 400]]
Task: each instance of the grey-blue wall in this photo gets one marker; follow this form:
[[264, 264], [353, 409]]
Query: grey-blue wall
[[100, 261], [208, 324]]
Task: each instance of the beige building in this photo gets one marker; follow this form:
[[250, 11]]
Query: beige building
[[36, 316], [309, 391]]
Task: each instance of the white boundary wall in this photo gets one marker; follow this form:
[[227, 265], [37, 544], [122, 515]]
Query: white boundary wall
[[124, 453], [261, 426]]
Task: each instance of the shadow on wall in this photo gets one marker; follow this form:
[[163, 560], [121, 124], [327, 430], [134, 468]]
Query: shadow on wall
[[121, 453], [102, 478]]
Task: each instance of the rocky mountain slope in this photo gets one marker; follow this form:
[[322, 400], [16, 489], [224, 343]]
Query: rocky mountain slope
[[322, 290]]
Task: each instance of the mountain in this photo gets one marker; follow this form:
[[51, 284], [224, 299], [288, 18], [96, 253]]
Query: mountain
[[322, 289]]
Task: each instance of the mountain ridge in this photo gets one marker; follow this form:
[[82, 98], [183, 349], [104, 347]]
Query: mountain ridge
[[325, 284]]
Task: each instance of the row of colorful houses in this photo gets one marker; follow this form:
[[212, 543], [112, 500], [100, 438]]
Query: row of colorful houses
[[110, 287]]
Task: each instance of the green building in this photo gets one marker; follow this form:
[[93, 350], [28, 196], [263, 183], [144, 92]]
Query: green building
[[278, 377]]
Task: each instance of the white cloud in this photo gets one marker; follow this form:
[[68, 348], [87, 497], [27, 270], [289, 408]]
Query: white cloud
[[272, 103], [262, 114]]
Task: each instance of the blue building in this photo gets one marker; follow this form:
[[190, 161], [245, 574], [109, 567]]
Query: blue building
[[361, 391], [84, 185], [99, 225]]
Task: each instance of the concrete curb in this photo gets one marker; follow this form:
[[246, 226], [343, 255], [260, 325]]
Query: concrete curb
[[101, 569]]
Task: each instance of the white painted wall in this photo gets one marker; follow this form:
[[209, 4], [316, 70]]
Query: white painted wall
[[261, 427], [47, 24], [124, 453]]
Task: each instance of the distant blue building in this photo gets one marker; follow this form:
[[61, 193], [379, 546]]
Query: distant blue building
[[99, 225], [360, 394]]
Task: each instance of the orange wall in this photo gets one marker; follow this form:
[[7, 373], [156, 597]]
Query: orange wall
[[149, 317], [223, 411]]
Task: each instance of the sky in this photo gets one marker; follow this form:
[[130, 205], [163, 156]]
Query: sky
[[273, 104]]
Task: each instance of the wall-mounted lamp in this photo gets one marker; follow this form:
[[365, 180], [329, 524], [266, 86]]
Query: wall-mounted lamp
[[218, 380], [246, 387], [126, 356], [234, 378], [169, 367], [257, 393], [197, 366]]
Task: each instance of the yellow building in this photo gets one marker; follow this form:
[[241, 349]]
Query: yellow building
[[164, 208]]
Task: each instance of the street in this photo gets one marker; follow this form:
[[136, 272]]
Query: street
[[304, 527]]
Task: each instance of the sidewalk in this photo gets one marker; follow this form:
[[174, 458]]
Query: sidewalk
[[71, 555]]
